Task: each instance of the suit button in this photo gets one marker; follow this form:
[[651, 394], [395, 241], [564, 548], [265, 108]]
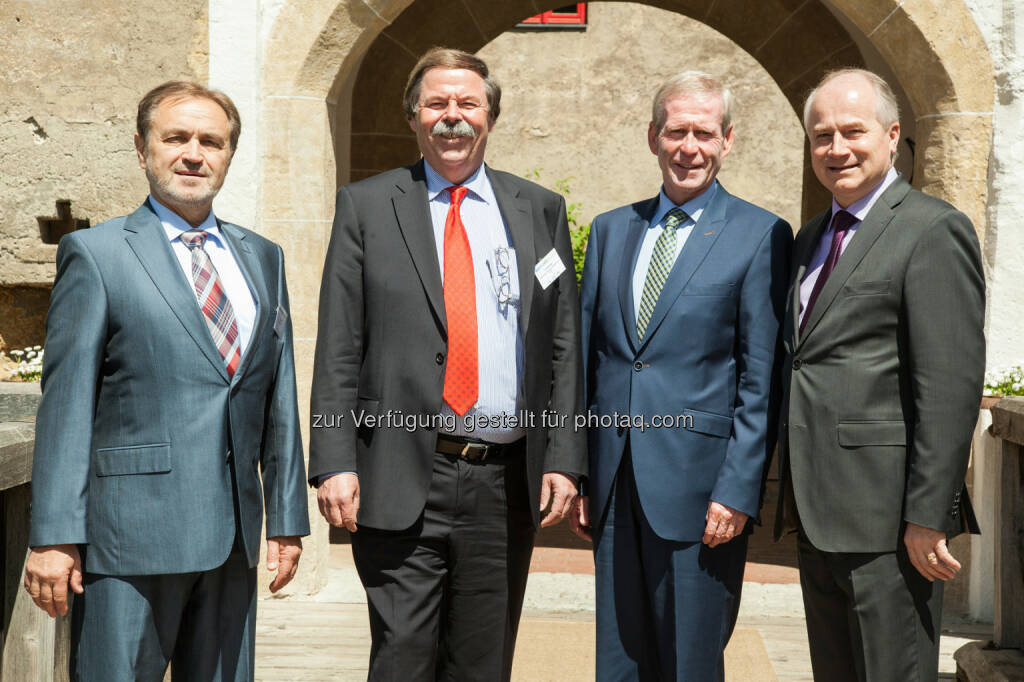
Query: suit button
[[638, 365], [227, 458], [796, 363], [439, 358]]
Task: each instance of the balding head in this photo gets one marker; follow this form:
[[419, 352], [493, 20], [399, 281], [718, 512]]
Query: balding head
[[853, 133]]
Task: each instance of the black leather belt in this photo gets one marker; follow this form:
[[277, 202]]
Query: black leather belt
[[474, 451]]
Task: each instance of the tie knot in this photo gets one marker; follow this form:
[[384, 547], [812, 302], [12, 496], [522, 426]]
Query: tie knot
[[843, 221], [457, 192], [673, 218], [194, 238]]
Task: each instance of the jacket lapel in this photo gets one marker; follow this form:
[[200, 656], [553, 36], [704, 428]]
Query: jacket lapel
[[412, 210], [872, 227], [629, 254], [147, 239], [517, 214], [803, 251], [249, 264], [702, 237]]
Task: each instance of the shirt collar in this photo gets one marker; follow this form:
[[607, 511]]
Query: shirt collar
[[692, 208], [862, 206], [478, 184], [174, 224]]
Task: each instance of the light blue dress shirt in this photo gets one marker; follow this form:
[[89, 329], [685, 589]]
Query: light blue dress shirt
[[693, 209], [859, 209], [500, 349], [232, 281]]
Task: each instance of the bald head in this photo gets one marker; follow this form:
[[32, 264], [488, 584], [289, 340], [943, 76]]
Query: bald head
[[887, 109], [853, 133]]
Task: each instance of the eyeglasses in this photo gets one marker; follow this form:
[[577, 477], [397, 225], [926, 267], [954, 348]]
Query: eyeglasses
[[466, 106], [503, 283]]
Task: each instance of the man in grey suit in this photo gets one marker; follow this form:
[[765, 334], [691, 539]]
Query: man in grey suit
[[883, 377], [448, 326], [168, 394]]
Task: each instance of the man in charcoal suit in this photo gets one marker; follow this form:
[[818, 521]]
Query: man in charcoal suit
[[885, 358], [448, 299]]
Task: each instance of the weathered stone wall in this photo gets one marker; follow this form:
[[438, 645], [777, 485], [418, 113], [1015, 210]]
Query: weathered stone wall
[[73, 75], [577, 104]]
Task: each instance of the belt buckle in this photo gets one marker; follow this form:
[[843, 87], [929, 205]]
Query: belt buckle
[[473, 452]]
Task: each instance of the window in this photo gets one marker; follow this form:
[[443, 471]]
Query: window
[[569, 16]]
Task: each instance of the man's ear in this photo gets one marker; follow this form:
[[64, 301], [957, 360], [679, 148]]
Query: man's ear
[[727, 141], [894, 138], [140, 149], [652, 138]]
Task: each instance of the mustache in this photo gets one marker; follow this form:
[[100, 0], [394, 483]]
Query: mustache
[[452, 130]]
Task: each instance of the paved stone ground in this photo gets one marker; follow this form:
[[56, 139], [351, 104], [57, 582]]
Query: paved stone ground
[[327, 638]]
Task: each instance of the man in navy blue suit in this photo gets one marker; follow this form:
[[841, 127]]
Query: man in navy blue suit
[[682, 298]]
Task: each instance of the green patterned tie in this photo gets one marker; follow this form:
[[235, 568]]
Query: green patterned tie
[[662, 259]]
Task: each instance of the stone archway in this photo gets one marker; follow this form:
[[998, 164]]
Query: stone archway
[[311, 98]]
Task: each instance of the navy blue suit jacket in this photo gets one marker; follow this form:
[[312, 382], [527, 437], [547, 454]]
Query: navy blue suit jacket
[[708, 361]]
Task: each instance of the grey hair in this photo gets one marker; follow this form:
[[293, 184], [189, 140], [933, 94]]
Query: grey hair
[[887, 109], [694, 83]]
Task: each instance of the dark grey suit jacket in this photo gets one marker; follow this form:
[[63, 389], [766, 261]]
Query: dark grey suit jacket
[[140, 431], [382, 343], [882, 389]]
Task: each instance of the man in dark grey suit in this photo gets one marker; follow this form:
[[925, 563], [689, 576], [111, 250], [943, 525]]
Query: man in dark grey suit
[[885, 363], [447, 376], [168, 418]]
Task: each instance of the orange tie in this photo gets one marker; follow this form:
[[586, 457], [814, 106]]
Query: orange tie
[[461, 384]]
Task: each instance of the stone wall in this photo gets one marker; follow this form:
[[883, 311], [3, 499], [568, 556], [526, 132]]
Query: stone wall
[[577, 104], [73, 74]]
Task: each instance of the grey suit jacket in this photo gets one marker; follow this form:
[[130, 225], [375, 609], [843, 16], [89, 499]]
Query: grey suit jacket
[[382, 340], [882, 388], [141, 438]]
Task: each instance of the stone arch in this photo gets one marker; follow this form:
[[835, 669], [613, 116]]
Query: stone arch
[[319, 48]]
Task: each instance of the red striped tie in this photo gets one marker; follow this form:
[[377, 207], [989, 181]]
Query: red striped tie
[[461, 383], [220, 316]]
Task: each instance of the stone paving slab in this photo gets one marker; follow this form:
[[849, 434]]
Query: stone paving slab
[[327, 637]]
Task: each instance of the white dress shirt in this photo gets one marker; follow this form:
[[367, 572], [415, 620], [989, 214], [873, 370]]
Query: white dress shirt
[[859, 209], [231, 279], [693, 210], [500, 350]]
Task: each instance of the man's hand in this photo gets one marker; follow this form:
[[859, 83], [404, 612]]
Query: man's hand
[[928, 553], [723, 524], [338, 498], [579, 518], [48, 571], [283, 556], [558, 489]]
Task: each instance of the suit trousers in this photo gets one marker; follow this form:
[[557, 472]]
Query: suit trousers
[[128, 628], [871, 617], [665, 609], [445, 594]]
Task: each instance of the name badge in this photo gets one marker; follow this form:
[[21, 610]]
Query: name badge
[[279, 321], [548, 269]]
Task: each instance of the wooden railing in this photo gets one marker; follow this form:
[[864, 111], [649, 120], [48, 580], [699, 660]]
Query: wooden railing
[[33, 646]]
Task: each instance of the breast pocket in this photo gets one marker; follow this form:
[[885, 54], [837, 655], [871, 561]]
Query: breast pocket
[[715, 290], [872, 288]]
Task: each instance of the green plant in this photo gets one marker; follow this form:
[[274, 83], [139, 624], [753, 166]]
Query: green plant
[[30, 363], [579, 232], [1005, 382]]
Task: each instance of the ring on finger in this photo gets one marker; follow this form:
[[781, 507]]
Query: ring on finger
[[932, 558]]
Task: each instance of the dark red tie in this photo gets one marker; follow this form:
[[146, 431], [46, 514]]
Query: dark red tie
[[461, 383], [842, 221]]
